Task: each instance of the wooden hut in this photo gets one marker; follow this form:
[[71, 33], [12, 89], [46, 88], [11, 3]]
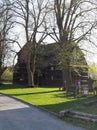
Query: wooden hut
[[48, 72]]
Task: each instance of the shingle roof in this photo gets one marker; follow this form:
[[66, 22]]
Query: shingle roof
[[46, 55]]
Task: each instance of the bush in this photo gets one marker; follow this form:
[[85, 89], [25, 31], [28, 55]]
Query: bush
[[95, 84], [7, 75]]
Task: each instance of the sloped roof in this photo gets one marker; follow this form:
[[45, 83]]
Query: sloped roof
[[23, 53], [47, 55]]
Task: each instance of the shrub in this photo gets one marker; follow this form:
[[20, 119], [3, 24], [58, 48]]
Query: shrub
[[7, 75]]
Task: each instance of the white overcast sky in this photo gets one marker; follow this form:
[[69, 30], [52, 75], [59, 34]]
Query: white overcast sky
[[90, 54]]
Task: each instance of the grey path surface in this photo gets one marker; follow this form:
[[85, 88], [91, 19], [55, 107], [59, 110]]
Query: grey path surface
[[15, 115]]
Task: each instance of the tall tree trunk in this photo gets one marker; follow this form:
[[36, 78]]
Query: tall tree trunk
[[30, 82], [0, 70], [31, 68], [29, 72], [66, 78]]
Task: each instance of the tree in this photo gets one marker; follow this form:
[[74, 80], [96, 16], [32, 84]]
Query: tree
[[31, 16], [5, 27], [74, 23], [93, 71]]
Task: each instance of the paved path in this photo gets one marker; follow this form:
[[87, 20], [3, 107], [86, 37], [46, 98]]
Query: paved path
[[16, 115]]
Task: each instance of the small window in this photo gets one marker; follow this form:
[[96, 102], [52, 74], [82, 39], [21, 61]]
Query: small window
[[52, 68], [52, 78]]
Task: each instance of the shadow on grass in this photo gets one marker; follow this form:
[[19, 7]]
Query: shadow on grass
[[64, 101], [9, 86], [34, 93], [12, 86], [73, 103]]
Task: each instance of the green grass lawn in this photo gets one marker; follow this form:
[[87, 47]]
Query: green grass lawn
[[51, 99]]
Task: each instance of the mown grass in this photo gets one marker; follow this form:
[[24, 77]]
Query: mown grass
[[53, 100]]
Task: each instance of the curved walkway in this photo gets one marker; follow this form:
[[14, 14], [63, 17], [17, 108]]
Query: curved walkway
[[16, 115]]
